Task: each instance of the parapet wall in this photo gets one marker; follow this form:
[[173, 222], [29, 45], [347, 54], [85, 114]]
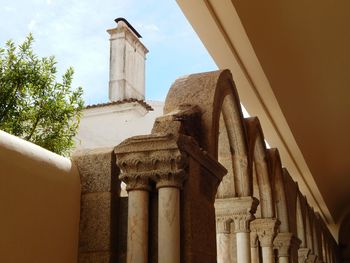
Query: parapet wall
[[39, 204]]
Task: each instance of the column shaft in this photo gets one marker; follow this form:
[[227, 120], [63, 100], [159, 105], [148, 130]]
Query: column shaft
[[254, 254], [169, 225], [137, 244], [283, 259], [267, 255], [226, 247], [243, 247]]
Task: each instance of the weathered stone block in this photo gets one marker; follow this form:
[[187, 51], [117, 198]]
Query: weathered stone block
[[122, 229], [95, 222], [97, 169]]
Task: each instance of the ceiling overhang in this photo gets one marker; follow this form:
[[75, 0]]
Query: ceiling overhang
[[219, 27]]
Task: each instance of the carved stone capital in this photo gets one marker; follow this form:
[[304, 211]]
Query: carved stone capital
[[157, 158], [169, 179], [223, 225], [284, 242], [266, 229], [135, 182], [239, 209], [253, 240], [303, 253]]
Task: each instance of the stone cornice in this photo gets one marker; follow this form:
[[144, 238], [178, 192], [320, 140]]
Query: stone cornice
[[124, 32]]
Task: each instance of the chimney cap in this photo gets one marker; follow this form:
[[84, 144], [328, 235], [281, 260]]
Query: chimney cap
[[129, 25]]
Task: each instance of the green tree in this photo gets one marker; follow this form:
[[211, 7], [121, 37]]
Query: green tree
[[33, 105]]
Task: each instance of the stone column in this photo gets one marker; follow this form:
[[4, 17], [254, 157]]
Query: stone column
[[155, 158], [223, 240], [168, 185], [135, 170], [287, 246], [241, 211], [266, 229], [303, 253], [254, 247], [138, 188]]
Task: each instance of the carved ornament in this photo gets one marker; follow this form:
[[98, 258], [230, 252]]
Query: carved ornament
[[238, 209], [284, 242], [266, 229]]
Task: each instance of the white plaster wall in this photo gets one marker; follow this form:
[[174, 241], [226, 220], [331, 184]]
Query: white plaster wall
[[127, 65], [39, 204], [110, 125], [134, 70]]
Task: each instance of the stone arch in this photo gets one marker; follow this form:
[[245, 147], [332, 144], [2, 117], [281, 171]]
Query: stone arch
[[279, 189], [258, 153], [301, 219], [291, 190], [215, 95], [308, 228], [316, 232]]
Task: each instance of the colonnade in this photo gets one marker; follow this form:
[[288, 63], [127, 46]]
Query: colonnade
[[261, 216]]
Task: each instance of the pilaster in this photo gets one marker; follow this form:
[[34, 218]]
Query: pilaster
[[100, 214]]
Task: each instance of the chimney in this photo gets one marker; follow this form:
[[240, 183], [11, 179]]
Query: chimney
[[127, 63]]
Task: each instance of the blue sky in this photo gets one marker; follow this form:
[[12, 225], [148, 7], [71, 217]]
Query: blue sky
[[75, 32]]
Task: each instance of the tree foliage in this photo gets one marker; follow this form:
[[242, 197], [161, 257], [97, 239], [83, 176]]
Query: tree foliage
[[33, 105]]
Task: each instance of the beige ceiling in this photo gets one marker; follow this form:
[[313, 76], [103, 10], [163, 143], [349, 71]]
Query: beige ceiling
[[291, 65], [304, 49]]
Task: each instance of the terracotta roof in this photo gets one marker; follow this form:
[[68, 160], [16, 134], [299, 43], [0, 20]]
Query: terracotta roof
[[141, 102]]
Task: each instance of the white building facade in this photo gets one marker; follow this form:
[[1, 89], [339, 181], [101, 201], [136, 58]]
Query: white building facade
[[127, 113]]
